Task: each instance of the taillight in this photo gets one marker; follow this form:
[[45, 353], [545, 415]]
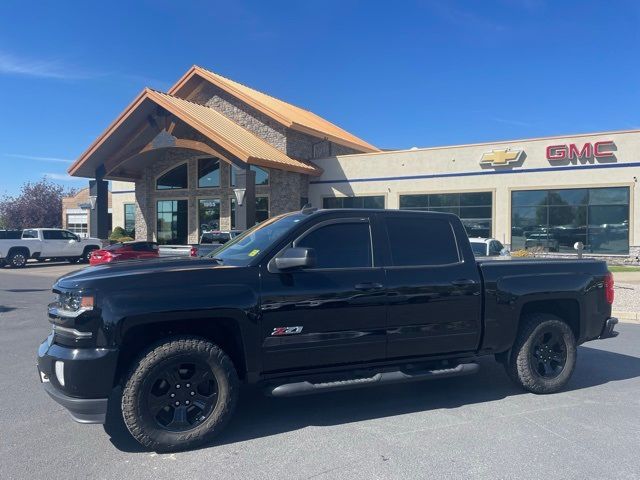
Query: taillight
[[108, 256], [193, 252], [608, 288]]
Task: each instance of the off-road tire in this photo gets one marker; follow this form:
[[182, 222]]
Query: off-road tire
[[520, 367], [150, 434], [17, 259]]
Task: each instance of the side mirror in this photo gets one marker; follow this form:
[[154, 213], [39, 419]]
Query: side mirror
[[296, 257]]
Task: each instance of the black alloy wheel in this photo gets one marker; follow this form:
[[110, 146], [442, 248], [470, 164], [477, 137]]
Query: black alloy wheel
[[548, 353], [544, 354], [181, 395]]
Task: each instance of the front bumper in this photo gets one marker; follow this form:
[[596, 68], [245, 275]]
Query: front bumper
[[83, 381], [608, 329], [82, 410]]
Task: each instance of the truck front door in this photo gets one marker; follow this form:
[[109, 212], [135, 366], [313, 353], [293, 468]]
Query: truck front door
[[54, 244], [434, 291], [333, 313]]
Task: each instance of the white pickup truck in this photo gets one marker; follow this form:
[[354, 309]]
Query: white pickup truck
[[46, 243]]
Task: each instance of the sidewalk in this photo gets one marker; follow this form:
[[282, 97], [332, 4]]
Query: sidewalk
[[626, 306], [627, 277]]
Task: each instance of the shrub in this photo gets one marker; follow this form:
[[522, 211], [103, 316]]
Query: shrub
[[522, 253], [117, 234]]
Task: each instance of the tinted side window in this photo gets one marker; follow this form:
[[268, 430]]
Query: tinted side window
[[30, 234], [52, 235], [340, 245], [142, 247], [418, 240]]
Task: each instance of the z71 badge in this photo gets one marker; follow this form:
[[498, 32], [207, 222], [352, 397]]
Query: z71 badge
[[286, 331]]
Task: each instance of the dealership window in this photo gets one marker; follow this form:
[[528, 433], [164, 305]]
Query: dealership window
[[172, 221], [208, 214], [78, 224], [473, 208], [262, 210], [262, 175], [208, 172], [554, 220], [370, 201], [174, 179], [130, 219]]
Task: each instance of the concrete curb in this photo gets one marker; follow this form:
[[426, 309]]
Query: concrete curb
[[626, 317]]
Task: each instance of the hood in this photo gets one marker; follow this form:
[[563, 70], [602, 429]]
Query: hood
[[118, 271]]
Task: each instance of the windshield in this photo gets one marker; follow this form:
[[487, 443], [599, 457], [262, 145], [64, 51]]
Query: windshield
[[479, 249], [244, 248]]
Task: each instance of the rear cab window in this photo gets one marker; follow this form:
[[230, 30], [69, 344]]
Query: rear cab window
[[421, 240]]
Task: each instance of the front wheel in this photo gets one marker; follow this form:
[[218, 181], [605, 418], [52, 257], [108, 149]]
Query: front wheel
[[544, 354], [86, 255], [180, 394]]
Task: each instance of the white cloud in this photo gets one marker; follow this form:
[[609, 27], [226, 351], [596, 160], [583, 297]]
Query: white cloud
[[37, 158], [12, 65], [64, 177]]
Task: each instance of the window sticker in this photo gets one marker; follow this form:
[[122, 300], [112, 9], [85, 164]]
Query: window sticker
[[254, 252]]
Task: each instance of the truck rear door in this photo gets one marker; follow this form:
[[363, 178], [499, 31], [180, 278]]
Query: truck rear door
[[433, 285]]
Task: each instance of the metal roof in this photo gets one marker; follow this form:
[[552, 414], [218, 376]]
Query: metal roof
[[289, 115], [213, 125]]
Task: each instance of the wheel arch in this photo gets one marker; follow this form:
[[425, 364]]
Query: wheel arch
[[23, 249], [565, 308], [224, 331]]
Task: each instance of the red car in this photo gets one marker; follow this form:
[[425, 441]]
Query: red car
[[124, 251]]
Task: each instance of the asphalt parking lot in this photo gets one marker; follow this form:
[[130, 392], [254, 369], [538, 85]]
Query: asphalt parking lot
[[473, 427]]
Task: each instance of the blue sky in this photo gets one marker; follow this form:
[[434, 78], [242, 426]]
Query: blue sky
[[398, 74]]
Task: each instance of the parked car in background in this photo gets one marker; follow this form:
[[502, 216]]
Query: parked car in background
[[119, 252], [542, 240], [488, 247], [44, 244], [211, 241], [218, 236]]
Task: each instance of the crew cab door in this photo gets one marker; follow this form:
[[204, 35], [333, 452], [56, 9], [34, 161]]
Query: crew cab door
[[434, 286], [54, 244], [332, 313]]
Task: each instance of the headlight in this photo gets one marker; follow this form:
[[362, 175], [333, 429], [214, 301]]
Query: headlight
[[75, 301]]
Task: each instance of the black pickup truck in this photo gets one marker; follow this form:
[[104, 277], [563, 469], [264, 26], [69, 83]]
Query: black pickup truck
[[310, 301]]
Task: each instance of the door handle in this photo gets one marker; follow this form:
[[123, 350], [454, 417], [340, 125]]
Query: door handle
[[368, 286], [463, 282]]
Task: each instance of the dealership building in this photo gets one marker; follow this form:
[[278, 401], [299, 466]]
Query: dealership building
[[215, 154]]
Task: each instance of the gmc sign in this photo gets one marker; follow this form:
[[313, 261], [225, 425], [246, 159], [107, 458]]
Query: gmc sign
[[589, 150]]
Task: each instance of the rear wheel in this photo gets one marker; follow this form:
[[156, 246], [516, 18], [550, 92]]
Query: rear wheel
[[180, 394], [17, 259], [544, 355]]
